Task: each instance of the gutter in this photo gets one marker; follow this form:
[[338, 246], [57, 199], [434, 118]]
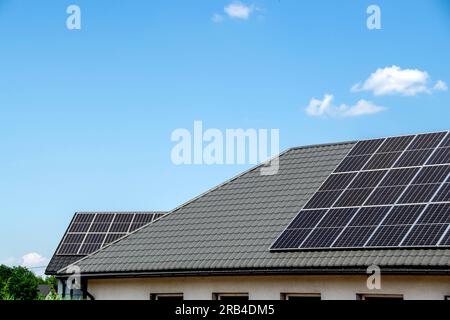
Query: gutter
[[254, 272]]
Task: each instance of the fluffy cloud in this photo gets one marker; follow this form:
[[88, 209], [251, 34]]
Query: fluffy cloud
[[394, 80], [33, 259], [325, 107], [238, 10], [440, 86]]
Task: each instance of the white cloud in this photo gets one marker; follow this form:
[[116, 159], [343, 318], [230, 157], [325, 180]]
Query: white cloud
[[217, 18], [325, 107], [238, 10], [440, 86], [33, 259], [394, 80]]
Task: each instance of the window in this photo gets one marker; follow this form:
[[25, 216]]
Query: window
[[230, 296], [301, 296], [166, 296], [380, 297]]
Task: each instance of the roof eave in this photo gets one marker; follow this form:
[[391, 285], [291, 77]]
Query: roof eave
[[410, 270]]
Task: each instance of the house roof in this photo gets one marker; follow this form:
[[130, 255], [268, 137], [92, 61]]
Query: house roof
[[126, 222], [231, 228]]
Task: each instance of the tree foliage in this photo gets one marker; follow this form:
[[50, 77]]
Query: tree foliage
[[19, 283]]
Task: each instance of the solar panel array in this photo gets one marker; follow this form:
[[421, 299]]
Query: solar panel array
[[392, 192], [89, 232]]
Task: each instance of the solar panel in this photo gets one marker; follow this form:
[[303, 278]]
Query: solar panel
[[424, 235], [444, 194], [337, 181], [368, 179], [89, 232], [308, 219], [390, 192], [388, 236], [382, 160], [441, 156], [414, 158], [385, 195], [428, 140], [353, 163]]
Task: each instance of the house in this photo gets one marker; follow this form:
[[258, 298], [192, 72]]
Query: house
[[367, 219]]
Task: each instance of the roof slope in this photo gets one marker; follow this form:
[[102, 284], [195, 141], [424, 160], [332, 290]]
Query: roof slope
[[232, 227]]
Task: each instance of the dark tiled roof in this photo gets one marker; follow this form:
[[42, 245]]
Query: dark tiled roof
[[232, 226]]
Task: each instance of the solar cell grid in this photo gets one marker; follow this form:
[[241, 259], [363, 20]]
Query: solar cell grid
[[446, 239], [113, 237], [424, 235], [369, 216], [70, 249], [434, 174], [95, 238], [321, 237], [368, 179], [79, 227], [99, 227], [123, 218], [83, 218], [446, 142], [119, 227], [74, 238], [429, 140], [395, 144], [89, 248], [292, 238], [353, 163], [441, 156], [413, 158], [420, 193], [443, 194], [385, 195], [337, 218], [382, 161], [105, 218], [353, 197], [323, 199], [307, 219], [366, 147], [436, 213], [337, 181], [388, 236], [143, 218], [354, 237], [403, 215], [399, 177]]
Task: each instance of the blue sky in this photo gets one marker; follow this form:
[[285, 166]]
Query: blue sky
[[86, 115]]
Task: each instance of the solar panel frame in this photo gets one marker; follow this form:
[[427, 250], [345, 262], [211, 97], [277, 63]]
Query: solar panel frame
[[419, 145], [93, 229]]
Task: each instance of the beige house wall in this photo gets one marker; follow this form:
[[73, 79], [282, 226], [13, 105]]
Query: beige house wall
[[270, 287]]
